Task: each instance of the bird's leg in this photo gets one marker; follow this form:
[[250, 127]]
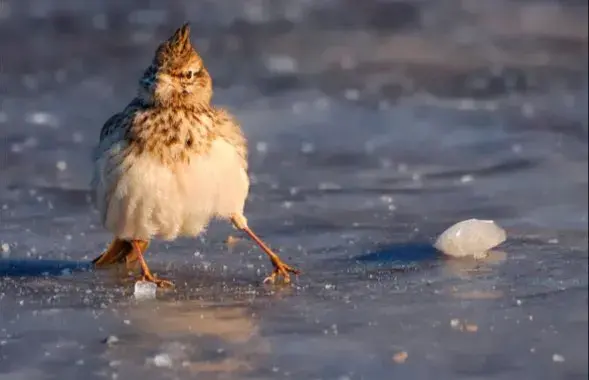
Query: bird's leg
[[280, 268], [139, 247], [131, 259]]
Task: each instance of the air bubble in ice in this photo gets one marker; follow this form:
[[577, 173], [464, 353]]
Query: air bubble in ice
[[471, 237], [145, 290]]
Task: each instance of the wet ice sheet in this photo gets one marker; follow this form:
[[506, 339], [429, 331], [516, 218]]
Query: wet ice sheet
[[352, 180]]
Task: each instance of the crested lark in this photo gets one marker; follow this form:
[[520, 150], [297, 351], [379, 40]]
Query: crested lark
[[170, 162]]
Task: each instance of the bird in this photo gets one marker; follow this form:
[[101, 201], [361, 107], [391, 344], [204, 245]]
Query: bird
[[170, 162]]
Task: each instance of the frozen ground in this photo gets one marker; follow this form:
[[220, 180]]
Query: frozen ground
[[373, 127]]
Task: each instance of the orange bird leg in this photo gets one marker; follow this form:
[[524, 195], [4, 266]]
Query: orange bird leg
[[147, 275], [280, 268]]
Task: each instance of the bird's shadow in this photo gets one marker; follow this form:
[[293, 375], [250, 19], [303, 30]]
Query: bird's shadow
[[39, 268], [401, 254]]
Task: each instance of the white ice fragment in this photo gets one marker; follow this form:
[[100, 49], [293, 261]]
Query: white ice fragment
[[466, 178], [455, 323], [386, 199], [61, 165], [471, 237], [162, 360], [66, 272], [262, 147], [557, 358], [42, 118], [5, 248], [281, 64], [145, 290]]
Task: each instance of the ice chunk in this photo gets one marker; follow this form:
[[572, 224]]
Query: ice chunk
[[111, 339], [162, 360], [42, 118], [145, 290], [471, 237]]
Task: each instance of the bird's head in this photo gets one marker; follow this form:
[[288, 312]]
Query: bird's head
[[176, 76]]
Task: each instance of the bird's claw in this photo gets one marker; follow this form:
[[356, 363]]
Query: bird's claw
[[281, 270], [160, 282]]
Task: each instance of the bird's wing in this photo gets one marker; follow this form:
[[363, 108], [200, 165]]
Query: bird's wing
[[119, 120], [228, 129]]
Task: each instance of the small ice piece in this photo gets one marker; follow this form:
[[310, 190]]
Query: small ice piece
[[145, 290], [455, 323], [262, 147], [162, 360], [557, 358], [111, 339], [471, 237], [61, 165], [466, 178], [42, 118]]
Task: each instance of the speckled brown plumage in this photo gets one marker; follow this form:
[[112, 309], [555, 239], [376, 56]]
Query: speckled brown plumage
[[170, 161]]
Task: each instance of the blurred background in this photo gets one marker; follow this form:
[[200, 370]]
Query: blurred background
[[373, 126]]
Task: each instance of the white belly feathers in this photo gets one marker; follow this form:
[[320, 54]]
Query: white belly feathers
[[141, 198]]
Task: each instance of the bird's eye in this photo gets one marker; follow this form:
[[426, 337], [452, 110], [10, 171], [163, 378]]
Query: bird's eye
[[188, 74]]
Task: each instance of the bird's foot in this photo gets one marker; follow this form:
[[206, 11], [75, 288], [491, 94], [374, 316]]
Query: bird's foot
[[281, 270], [160, 282]]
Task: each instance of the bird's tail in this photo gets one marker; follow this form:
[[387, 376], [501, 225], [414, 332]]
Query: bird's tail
[[119, 251]]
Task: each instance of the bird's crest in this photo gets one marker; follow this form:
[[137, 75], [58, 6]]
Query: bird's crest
[[177, 49]]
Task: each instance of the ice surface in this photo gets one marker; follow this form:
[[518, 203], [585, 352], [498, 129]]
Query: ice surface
[[472, 237], [375, 300]]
